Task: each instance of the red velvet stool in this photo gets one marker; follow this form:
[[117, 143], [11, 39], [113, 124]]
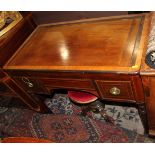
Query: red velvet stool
[[88, 99], [81, 97]]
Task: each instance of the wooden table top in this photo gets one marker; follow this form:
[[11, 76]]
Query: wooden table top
[[101, 44]]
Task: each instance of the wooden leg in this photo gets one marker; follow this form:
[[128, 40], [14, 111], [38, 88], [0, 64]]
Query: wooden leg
[[143, 116], [96, 107], [99, 107], [149, 92], [40, 100], [107, 118], [85, 110], [28, 99]]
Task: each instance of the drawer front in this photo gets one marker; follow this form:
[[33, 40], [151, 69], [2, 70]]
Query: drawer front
[[31, 85], [68, 83], [43, 85], [118, 90]]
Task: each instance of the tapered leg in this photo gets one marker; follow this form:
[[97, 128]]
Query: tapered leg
[[96, 107], [143, 116]]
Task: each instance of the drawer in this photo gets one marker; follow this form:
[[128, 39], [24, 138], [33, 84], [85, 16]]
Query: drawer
[[30, 84], [68, 83], [116, 90], [43, 85]]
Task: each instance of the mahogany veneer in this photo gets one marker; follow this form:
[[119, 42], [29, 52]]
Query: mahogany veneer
[[84, 45], [101, 56]]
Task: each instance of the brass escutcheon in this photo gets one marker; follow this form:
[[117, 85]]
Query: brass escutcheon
[[115, 91], [27, 81]]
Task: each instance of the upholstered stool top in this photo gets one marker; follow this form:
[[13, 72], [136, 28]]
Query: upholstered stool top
[[81, 97]]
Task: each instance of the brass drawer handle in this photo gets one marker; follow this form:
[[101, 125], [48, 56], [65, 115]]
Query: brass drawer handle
[[115, 91], [27, 81]]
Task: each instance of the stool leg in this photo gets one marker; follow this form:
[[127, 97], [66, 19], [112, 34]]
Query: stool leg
[[99, 107], [95, 106], [106, 117], [85, 110]]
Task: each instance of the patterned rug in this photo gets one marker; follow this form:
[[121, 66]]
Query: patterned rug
[[65, 125], [123, 116], [16, 122]]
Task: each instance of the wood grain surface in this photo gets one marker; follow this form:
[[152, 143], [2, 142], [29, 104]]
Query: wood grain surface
[[108, 44]]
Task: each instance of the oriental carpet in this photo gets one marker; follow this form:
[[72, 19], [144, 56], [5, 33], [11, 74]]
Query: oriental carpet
[[66, 125]]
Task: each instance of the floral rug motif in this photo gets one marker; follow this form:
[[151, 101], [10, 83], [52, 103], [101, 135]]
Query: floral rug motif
[[17, 120], [60, 128], [123, 116], [76, 129]]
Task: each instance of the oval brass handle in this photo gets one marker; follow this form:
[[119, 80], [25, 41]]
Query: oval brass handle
[[30, 84], [115, 91], [27, 81]]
